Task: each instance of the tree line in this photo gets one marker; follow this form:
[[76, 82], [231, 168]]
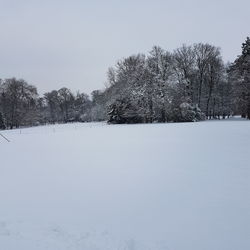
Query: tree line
[[191, 83]]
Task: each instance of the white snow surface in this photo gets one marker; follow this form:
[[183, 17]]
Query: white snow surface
[[95, 186]]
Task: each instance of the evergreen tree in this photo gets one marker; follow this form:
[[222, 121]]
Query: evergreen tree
[[240, 75]]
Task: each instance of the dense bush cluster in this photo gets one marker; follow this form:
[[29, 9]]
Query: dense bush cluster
[[190, 84]]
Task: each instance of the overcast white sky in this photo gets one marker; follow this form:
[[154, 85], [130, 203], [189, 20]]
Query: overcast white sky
[[56, 43]]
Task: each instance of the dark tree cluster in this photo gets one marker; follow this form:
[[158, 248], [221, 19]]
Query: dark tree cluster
[[17, 103], [190, 84], [20, 105]]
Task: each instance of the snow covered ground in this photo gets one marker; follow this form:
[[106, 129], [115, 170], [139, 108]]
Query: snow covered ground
[[94, 186]]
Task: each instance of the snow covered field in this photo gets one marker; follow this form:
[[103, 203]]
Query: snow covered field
[[94, 186]]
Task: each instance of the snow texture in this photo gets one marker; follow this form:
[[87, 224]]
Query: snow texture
[[94, 186]]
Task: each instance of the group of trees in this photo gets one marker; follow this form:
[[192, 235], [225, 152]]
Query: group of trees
[[192, 83], [17, 102], [20, 105], [189, 84]]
